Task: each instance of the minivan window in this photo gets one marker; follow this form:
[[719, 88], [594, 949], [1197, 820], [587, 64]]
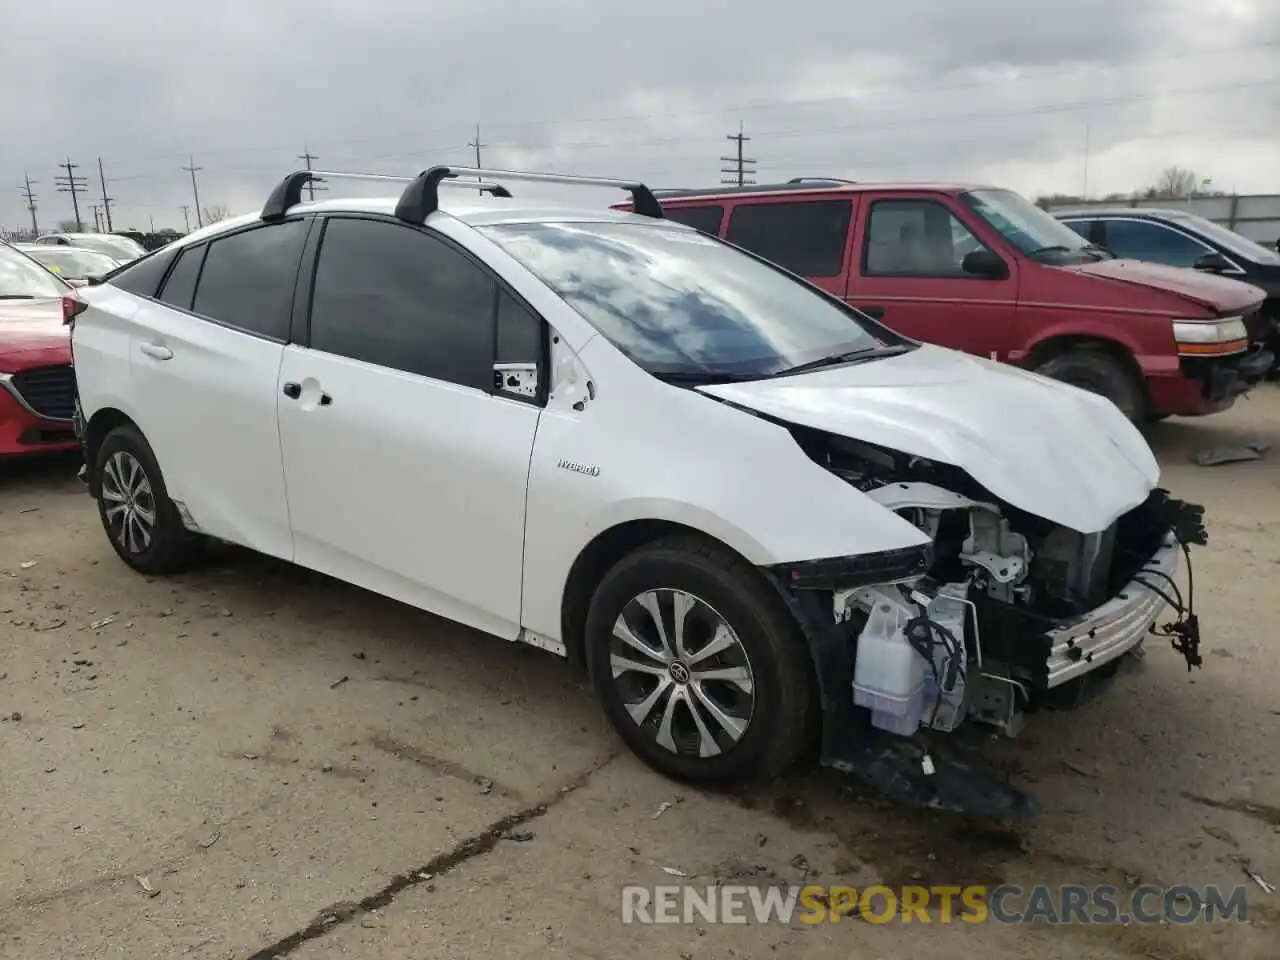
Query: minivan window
[[1029, 229], [916, 238], [706, 218], [683, 305], [806, 237], [247, 280]]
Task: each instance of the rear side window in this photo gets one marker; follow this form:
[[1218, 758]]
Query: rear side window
[[247, 280], [806, 237], [143, 277], [396, 297], [180, 289], [704, 218]]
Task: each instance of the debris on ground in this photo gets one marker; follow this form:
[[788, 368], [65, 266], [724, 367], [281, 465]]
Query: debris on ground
[[99, 624], [337, 683], [1220, 833], [29, 510], [78, 725], [146, 885], [1089, 772], [1260, 880], [672, 871], [486, 785], [250, 756], [519, 836], [28, 564], [1213, 456], [663, 807], [15, 716], [217, 835], [360, 655]]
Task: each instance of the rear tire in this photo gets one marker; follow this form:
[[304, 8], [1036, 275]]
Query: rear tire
[[729, 695], [1096, 370], [142, 523]]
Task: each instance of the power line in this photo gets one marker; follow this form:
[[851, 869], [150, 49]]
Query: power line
[[741, 165], [31, 203], [306, 157], [192, 169], [106, 201], [73, 184], [477, 145]]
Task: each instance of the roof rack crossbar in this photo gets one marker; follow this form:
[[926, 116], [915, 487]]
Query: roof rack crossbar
[[420, 198], [288, 192]]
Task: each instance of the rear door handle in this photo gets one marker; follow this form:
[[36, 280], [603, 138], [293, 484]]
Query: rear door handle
[[875, 313], [156, 352]]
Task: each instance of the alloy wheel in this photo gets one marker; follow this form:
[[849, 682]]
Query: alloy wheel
[[682, 673], [129, 505]]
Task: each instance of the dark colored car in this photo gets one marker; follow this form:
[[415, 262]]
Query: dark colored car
[[1179, 238], [984, 270]]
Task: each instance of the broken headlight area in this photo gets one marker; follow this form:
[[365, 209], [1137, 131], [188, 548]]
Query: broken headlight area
[[1014, 613]]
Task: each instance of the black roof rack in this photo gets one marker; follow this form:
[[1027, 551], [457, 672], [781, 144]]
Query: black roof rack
[[421, 197]]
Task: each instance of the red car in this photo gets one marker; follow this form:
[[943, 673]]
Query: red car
[[37, 383], [986, 271]]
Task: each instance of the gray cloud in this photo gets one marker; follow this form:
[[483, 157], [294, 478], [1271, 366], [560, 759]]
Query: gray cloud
[[991, 89]]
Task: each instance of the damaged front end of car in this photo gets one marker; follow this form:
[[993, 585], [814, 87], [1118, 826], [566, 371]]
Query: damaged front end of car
[[1001, 614]]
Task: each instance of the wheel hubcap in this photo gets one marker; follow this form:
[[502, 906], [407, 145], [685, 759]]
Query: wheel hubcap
[[682, 673], [129, 506]]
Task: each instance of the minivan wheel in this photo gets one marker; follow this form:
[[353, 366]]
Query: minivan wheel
[[141, 522], [698, 665], [1098, 372]]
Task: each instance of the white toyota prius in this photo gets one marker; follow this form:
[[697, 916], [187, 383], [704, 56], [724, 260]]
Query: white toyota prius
[[761, 519]]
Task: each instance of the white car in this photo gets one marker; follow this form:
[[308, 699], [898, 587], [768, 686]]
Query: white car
[[754, 513]]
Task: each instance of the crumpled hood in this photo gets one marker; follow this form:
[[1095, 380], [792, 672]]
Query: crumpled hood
[[1221, 294], [1053, 450]]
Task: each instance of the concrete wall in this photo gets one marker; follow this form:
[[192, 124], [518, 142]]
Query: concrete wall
[[1256, 216]]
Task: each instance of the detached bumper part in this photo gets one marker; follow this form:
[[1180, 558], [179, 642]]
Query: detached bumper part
[[1229, 378]]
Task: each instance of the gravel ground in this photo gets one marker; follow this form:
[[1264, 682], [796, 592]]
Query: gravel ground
[[298, 768]]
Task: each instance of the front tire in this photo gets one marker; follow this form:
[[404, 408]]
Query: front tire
[[698, 664], [140, 520], [1099, 372]]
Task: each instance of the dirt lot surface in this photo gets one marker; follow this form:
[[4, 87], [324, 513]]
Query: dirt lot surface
[[298, 768]]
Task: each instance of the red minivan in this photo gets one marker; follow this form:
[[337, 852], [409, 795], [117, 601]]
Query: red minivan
[[984, 270]]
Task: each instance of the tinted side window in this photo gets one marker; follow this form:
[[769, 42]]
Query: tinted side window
[[394, 296], [1082, 227], [704, 218], [519, 332], [142, 278], [247, 280], [916, 238], [1141, 240], [180, 289], [806, 237]]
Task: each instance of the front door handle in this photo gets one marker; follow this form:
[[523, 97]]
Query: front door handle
[[293, 390], [156, 352], [875, 313]]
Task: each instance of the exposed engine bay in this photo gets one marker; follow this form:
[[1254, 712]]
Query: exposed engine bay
[[1007, 613]]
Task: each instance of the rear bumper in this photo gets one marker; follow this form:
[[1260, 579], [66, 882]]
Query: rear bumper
[[24, 431]]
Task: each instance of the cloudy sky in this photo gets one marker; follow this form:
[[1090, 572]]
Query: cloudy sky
[[1015, 92]]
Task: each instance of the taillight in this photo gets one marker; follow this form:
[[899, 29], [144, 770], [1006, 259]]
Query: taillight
[[72, 308]]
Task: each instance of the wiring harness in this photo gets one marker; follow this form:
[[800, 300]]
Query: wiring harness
[[1186, 522]]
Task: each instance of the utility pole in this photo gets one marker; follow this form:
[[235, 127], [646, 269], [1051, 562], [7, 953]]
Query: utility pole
[[73, 184], [306, 157], [106, 201], [742, 166], [186, 219], [31, 205], [96, 210], [192, 169], [477, 144]]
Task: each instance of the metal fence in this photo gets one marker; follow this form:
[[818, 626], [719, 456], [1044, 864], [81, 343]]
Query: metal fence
[[1256, 216]]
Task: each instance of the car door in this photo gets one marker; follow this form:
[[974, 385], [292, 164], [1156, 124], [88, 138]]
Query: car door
[[809, 237], [909, 273], [205, 359], [408, 410]]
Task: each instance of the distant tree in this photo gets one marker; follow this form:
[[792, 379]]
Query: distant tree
[[215, 213], [1058, 200], [1174, 183], [67, 226]]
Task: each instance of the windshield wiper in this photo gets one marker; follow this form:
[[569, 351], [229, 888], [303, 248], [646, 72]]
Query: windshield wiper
[[17, 296], [1055, 248], [853, 356], [702, 377]]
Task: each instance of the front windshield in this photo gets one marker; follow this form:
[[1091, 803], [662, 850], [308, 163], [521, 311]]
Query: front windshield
[[1033, 231], [73, 263], [21, 278], [682, 304], [1231, 240]]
